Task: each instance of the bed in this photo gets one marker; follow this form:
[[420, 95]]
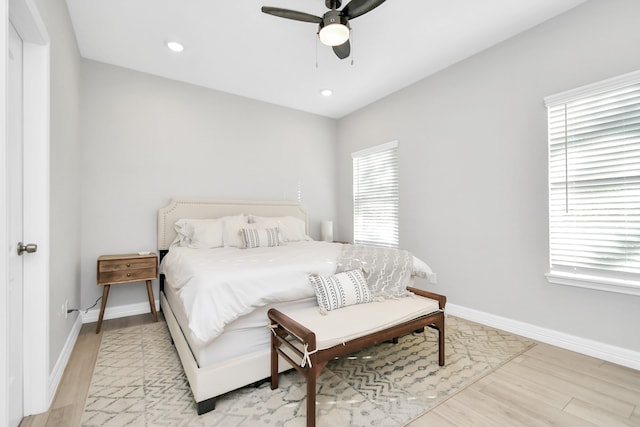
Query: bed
[[224, 343]]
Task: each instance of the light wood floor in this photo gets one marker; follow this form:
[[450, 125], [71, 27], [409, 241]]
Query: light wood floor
[[544, 386], [68, 403]]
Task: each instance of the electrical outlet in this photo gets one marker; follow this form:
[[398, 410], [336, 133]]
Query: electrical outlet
[[433, 278], [66, 308]]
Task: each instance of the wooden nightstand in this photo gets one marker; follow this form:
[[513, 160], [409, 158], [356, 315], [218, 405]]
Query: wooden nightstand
[[126, 268]]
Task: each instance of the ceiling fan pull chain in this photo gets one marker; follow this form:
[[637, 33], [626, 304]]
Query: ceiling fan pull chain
[[352, 44]]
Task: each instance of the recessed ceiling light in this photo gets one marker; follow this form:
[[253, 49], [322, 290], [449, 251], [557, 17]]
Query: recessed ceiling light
[[175, 46], [326, 92]]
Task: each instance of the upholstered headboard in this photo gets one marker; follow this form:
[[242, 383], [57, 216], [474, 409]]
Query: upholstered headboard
[[203, 208]]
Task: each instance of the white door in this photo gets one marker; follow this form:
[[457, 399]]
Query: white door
[[14, 218]]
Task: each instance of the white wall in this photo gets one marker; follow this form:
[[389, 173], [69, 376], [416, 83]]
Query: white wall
[[64, 272], [147, 139], [473, 170]]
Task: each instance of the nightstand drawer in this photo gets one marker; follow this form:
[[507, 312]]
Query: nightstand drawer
[[128, 275], [125, 264]]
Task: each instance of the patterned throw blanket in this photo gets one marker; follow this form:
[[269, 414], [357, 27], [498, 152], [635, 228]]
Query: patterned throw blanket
[[387, 270]]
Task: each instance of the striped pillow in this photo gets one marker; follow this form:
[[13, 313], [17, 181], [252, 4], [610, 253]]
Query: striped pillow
[[259, 237], [341, 290]]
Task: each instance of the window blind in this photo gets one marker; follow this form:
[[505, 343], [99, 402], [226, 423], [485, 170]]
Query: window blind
[[375, 195], [594, 181]]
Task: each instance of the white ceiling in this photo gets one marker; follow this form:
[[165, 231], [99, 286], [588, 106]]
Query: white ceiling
[[233, 47]]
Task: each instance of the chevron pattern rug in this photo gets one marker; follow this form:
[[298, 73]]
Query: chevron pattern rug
[[138, 381]]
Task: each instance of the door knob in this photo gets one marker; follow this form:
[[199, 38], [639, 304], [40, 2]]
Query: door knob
[[28, 248]]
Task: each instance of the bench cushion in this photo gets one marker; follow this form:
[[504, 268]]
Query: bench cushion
[[348, 323]]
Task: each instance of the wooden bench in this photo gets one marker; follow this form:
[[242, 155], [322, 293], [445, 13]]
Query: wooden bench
[[308, 340]]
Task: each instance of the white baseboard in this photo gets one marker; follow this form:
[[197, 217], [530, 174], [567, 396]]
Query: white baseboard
[[118, 311], [610, 353], [56, 373]]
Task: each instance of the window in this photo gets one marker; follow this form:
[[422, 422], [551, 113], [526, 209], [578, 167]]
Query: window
[[375, 195], [594, 185]]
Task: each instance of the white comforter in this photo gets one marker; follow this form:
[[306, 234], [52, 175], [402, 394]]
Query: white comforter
[[219, 285]]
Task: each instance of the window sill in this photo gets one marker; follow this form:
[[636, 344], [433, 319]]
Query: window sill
[[630, 287]]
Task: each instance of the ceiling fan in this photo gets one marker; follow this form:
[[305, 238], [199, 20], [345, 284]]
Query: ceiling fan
[[333, 26]]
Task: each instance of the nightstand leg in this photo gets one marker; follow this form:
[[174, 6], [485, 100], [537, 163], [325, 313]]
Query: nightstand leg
[[152, 301], [105, 295]]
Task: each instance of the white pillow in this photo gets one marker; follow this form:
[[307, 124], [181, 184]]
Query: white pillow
[[206, 233], [340, 290], [421, 268], [259, 237], [231, 230], [199, 233], [291, 229], [183, 232]]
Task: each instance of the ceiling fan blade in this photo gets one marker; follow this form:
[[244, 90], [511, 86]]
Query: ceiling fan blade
[[291, 14], [356, 8], [343, 50]]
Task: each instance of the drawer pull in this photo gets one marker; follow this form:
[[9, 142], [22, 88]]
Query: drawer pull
[[128, 265], [128, 274]]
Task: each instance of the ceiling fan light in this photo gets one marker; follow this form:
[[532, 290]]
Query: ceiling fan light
[[334, 29], [334, 34]]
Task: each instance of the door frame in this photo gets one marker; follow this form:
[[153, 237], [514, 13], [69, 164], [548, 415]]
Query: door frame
[[36, 54]]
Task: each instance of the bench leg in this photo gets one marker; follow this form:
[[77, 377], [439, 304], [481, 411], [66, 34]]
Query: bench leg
[[274, 362], [311, 397], [440, 325]]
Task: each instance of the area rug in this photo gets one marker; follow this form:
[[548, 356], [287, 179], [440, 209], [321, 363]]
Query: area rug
[[138, 381]]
